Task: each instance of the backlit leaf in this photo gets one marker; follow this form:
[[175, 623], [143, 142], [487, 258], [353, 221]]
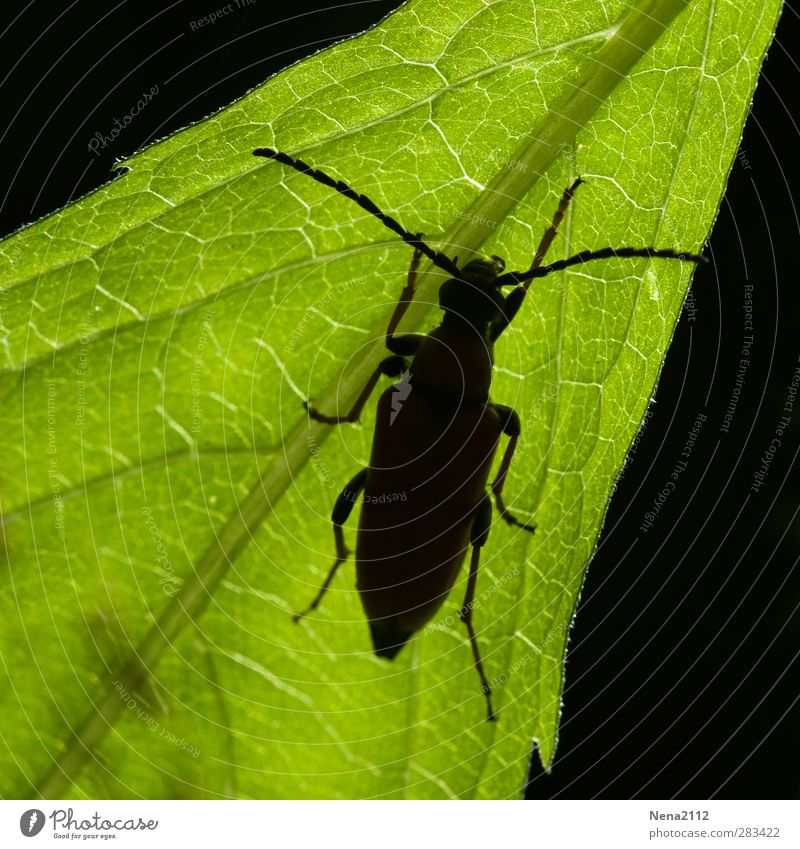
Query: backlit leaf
[[165, 502]]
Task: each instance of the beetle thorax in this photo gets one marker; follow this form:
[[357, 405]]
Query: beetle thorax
[[454, 368]]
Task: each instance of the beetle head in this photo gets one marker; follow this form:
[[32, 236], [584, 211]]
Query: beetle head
[[473, 297]]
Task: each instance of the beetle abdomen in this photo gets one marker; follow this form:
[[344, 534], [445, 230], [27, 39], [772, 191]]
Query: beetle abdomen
[[427, 475]]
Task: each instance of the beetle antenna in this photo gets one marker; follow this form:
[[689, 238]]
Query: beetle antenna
[[514, 278], [436, 257]]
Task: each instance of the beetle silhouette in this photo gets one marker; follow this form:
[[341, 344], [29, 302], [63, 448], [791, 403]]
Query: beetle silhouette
[[425, 499]]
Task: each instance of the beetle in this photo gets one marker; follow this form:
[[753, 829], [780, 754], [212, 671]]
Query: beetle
[[425, 499]]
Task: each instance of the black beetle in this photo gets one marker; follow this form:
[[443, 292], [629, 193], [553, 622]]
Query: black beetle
[[425, 499]]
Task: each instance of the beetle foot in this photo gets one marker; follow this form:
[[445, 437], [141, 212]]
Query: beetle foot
[[315, 414], [297, 617], [491, 716], [513, 520], [505, 514]]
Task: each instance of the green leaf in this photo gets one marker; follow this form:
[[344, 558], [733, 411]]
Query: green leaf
[[165, 501]]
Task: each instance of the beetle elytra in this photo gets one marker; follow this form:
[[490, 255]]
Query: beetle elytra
[[425, 499]]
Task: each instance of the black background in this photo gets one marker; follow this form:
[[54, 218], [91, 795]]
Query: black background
[[682, 674]]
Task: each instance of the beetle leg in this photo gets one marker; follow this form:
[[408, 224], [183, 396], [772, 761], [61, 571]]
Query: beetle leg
[[391, 366], [401, 346], [407, 344], [511, 428], [517, 296], [478, 536], [552, 231], [511, 307], [407, 295], [341, 512]]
